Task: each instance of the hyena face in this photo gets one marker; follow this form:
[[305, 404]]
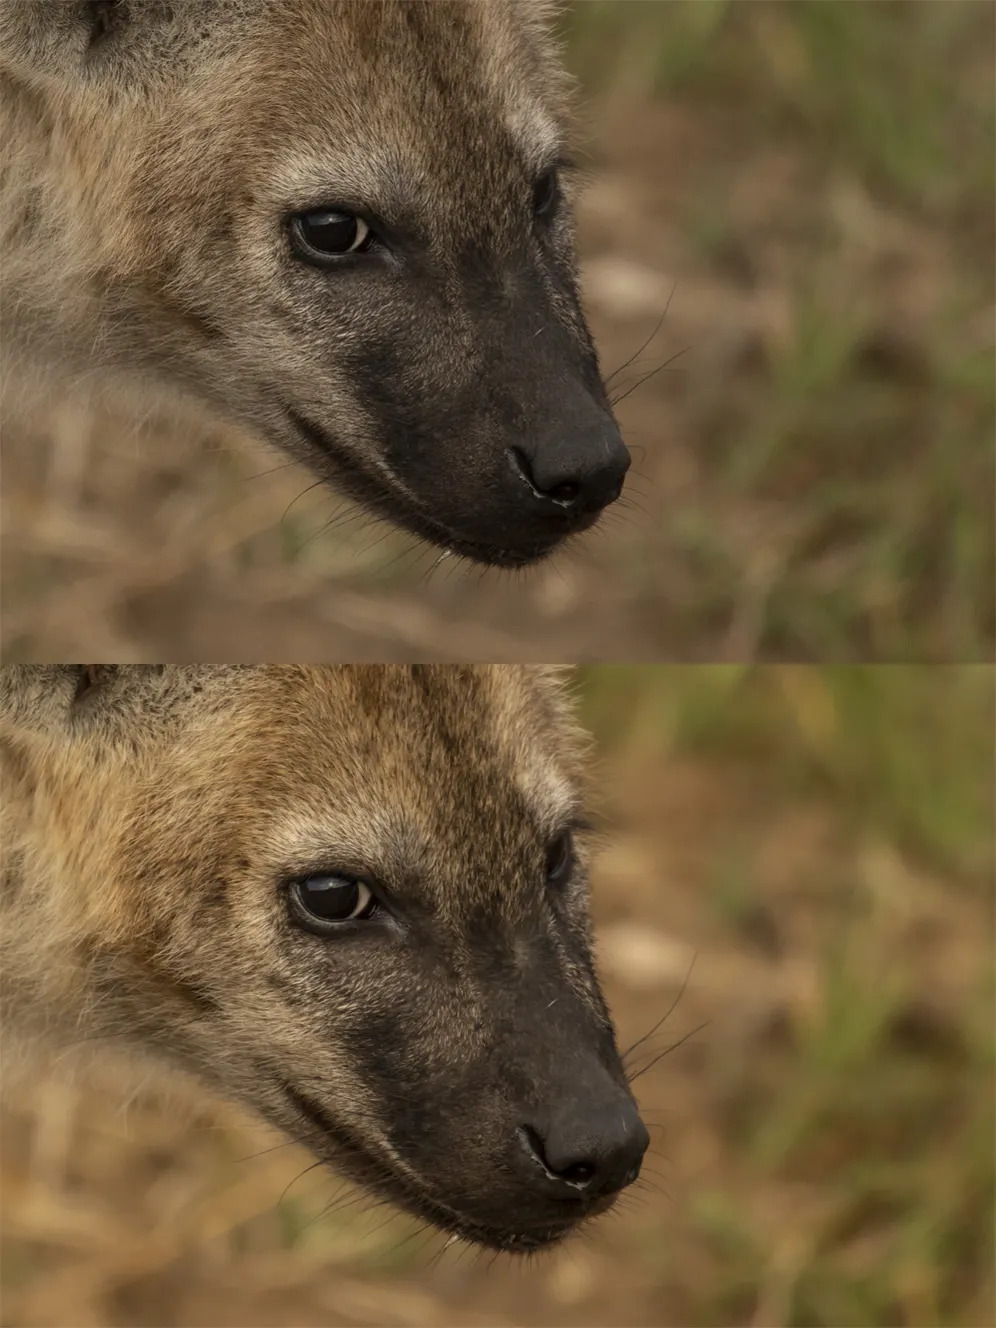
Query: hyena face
[[353, 898], [348, 227]]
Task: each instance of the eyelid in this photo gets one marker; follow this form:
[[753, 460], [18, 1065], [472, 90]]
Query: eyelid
[[301, 871]]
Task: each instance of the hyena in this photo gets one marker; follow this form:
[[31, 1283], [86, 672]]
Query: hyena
[[344, 226], [350, 898]]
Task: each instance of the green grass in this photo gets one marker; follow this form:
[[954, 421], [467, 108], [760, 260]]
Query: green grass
[[891, 1126], [902, 750], [870, 433], [870, 82], [856, 1184], [817, 475]]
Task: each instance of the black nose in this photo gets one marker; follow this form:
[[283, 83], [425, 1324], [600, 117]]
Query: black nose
[[590, 1154], [581, 470]]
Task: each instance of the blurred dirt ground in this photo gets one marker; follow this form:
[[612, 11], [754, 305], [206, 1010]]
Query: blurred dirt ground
[[808, 190], [798, 874]]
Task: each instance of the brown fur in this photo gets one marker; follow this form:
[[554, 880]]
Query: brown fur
[[153, 819], [149, 173]]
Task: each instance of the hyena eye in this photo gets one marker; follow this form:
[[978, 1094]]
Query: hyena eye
[[321, 902], [545, 193], [560, 859], [324, 235]]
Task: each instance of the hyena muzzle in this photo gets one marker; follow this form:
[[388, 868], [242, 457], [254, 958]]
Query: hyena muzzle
[[351, 898], [345, 226]]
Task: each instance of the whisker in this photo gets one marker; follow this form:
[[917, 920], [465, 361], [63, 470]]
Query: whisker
[[303, 492], [298, 1177], [647, 376], [661, 1054], [660, 323], [667, 1014]]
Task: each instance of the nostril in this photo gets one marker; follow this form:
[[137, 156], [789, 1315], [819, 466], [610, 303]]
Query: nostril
[[577, 1173], [595, 1155], [566, 492], [580, 474]]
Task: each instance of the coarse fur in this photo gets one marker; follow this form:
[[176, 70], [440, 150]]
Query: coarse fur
[[153, 156], [155, 820]]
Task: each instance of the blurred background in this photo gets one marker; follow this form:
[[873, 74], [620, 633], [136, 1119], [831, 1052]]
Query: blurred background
[[798, 877], [808, 189]]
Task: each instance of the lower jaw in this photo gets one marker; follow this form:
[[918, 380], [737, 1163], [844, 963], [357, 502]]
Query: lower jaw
[[453, 543], [520, 1238], [369, 492], [424, 1206], [529, 1242], [512, 1241], [490, 555]]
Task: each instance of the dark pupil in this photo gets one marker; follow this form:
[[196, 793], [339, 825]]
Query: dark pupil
[[330, 232], [545, 192], [558, 857], [329, 897]]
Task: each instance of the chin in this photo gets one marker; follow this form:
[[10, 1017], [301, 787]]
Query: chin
[[529, 1241], [512, 1234], [495, 556], [502, 551], [514, 1238], [499, 553], [403, 509]]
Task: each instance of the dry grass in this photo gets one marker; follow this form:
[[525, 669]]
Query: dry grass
[[823, 1147], [811, 186]]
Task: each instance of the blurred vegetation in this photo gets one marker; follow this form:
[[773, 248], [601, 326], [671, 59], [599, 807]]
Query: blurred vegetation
[[907, 750], [819, 841], [868, 1103], [871, 85], [813, 181], [877, 434]]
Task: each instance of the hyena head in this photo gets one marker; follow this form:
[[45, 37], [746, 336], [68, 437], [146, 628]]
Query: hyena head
[[348, 227], [352, 898]]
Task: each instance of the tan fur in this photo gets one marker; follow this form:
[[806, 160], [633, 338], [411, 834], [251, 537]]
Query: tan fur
[[153, 817], [257, 766], [129, 183], [146, 187]]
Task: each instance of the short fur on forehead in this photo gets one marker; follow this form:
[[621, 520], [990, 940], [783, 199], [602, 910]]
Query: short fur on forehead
[[191, 769]]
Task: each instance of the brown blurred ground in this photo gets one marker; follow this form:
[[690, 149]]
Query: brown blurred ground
[[820, 844], [808, 189]]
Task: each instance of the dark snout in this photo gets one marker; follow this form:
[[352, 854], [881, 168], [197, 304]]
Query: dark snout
[[574, 471], [586, 1150]]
